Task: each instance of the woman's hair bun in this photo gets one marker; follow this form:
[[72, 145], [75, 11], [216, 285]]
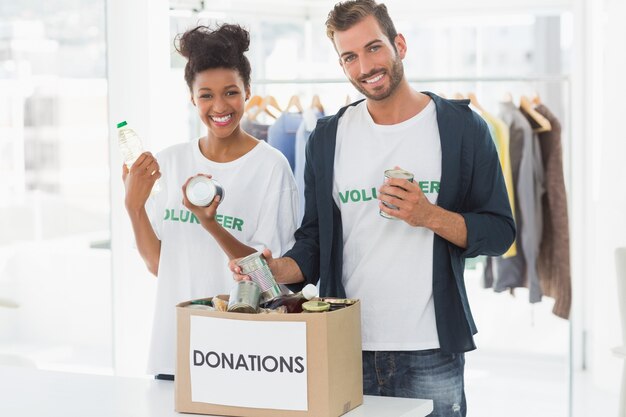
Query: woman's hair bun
[[238, 35], [207, 48]]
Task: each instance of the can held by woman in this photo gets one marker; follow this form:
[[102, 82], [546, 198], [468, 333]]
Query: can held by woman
[[202, 190], [255, 266], [395, 173]]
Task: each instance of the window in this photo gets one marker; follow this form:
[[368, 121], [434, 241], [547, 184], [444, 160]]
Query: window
[[55, 297]]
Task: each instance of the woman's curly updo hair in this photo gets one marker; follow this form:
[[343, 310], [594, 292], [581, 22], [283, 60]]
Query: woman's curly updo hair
[[223, 47]]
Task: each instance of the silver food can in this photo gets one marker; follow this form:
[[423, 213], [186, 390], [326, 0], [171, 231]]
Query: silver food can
[[395, 173], [244, 297], [255, 266], [201, 190]]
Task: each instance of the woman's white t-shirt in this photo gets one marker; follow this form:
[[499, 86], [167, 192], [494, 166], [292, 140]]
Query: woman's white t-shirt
[[259, 208]]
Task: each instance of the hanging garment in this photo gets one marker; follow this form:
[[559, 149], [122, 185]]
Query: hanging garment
[[309, 120], [501, 138], [539, 191], [553, 262], [282, 135], [521, 270], [254, 128]]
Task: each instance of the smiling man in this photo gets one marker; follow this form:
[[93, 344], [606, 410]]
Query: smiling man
[[407, 271]]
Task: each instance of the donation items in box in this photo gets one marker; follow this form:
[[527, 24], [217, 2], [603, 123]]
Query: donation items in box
[[247, 364]]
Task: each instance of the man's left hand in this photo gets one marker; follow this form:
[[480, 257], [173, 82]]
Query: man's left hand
[[413, 206]]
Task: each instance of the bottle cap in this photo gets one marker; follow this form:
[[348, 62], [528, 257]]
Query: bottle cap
[[315, 306], [121, 124], [309, 291]]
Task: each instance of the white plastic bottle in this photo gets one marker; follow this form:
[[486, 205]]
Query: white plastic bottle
[[131, 147]]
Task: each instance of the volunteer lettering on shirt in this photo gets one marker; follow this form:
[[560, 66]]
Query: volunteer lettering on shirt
[[369, 194], [184, 216]]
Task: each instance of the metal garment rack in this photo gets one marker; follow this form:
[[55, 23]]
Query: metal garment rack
[[563, 79], [428, 80]]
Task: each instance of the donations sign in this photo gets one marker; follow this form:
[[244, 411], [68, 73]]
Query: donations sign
[[243, 363]]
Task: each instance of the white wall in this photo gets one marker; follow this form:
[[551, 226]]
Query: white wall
[[138, 69], [598, 196], [608, 194]]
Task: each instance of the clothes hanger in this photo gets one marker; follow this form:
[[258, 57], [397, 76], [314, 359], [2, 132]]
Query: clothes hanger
[[316, 103], [536, 100], [507, 98], [264, 107], [474, 102], [348, 99], [458, 96], [294, 101], [254, 101], [252, 107], [538, 121], [271, 101]]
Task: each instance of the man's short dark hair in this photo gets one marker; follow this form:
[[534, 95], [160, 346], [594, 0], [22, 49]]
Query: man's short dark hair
[[348, 13]]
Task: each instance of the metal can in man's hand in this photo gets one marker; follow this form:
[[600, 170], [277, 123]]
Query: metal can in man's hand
[[256, 267], [395, 173]]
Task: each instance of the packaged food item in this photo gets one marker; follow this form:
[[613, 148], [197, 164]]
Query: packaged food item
[[395, 173], [315, 307], [337, 303], [203, 301], [131, 147], [293, 302], [201, 307], [278, 310], [244, 297], [220, 303], [201, 190], [255, 266]]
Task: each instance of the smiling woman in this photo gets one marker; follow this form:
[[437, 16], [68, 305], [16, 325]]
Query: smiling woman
[[186, 246]]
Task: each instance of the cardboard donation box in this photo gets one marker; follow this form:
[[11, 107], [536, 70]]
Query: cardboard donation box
[[260, 365]]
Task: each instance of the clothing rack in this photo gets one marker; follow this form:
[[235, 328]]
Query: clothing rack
[[563, 79], [539, 78]]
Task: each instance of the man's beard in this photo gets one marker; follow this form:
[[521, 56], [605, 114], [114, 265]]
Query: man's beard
[[395, 77]]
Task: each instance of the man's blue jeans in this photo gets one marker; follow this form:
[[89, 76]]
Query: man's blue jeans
[[428, 374]]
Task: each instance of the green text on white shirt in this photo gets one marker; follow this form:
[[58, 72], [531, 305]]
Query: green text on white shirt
[[355, 196], [185, 216]]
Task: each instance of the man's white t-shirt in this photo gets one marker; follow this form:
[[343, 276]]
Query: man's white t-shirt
[[387, 264], [259, 208]]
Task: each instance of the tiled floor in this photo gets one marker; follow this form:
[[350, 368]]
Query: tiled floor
[[521, 366], [516, 385], [530, 386]]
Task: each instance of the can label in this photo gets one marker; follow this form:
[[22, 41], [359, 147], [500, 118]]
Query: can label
[[256, 267], [395, 173], [244, 297]]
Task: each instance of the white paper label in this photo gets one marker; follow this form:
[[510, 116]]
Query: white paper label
[[256, 364]]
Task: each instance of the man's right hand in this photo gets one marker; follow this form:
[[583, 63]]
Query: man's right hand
[[285, 269], [139, 180]]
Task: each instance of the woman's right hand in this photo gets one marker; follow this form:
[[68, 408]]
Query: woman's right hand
[[139, 180], [206, 215]]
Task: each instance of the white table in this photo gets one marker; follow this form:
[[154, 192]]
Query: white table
[[37, 393]]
